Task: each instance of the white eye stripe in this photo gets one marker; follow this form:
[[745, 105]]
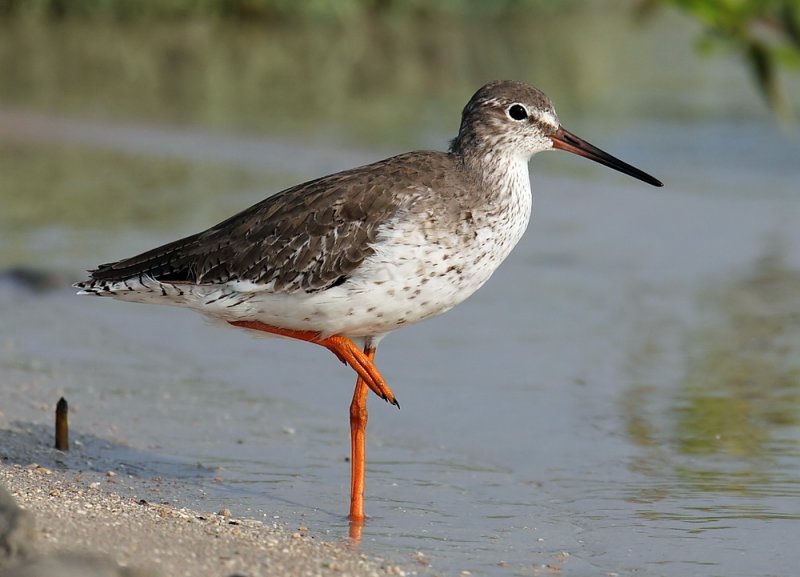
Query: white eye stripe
[[550, 119]]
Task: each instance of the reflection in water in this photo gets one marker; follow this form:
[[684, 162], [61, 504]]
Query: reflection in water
[[743, 381], [76, 187], [355, 530], [732, 427], [58, 199]]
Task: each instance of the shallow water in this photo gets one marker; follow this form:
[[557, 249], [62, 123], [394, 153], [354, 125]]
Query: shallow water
[[623, 397]]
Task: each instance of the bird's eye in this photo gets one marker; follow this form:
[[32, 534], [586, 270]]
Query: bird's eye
[[517, 112]]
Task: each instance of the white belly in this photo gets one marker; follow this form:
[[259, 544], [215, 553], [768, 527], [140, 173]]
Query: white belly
[[399, 285], [411, 277]]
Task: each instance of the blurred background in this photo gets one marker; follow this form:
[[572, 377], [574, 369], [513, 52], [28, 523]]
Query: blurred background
[[98, 87], [643, 413]]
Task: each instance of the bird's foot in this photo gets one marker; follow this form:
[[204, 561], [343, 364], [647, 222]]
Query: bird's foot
[[342, 347], [349, 353]]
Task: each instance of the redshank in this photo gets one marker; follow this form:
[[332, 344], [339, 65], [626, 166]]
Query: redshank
[[343, 260]]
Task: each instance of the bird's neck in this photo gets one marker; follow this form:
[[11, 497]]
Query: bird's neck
[[504, 183], [501, 174], [509, 184], [489, 157]]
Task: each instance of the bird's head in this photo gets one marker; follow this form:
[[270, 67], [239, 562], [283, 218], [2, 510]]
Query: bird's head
[[509, 118]]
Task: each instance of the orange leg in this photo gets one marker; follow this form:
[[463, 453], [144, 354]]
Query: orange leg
[[368, 379], [358, 437], [342, 347]]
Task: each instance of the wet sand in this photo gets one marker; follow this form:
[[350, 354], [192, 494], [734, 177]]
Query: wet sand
[[94, 524]]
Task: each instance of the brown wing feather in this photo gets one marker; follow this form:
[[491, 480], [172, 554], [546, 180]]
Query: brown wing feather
[[307, 237]]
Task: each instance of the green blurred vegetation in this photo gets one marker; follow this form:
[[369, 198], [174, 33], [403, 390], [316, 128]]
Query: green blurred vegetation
[[266, 10], [764, 33], [366, 80]]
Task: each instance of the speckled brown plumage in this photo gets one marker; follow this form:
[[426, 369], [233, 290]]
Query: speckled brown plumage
[[305, 238]]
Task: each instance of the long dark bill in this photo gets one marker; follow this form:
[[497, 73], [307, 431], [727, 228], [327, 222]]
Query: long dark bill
[[565, 140]]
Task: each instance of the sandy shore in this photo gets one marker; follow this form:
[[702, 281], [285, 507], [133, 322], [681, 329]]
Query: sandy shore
[[64, 517]]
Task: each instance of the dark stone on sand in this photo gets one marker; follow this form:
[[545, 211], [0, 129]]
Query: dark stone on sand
[[16, 530]]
